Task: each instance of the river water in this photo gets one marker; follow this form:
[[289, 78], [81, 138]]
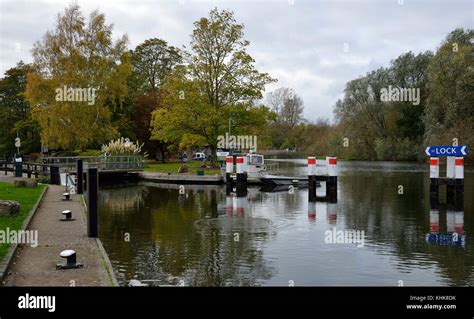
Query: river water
[[202, 237]]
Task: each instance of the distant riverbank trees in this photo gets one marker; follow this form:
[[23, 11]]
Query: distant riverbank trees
[[369, 127]]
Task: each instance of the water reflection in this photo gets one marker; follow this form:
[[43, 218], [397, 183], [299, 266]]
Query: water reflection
[[199, 238], [207, 236]]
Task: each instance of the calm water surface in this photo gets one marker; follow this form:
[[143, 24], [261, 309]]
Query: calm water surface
[[205, 238]]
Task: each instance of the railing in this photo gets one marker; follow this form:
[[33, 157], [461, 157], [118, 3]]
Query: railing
[[103, 163], [70, 184]]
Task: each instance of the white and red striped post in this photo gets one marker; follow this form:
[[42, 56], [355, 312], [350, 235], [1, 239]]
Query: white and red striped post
[[331, 183], [459, 174], [450, 166], [451, 181], [434, 176], [312, 179], [229, 169]]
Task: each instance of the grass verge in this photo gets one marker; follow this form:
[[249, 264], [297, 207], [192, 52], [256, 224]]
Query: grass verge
[[27, 197]]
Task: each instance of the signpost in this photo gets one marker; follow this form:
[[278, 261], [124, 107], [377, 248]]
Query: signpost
[[454, 179], [447, 150]]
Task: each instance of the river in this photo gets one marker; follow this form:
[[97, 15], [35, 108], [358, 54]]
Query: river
[[202, 237]]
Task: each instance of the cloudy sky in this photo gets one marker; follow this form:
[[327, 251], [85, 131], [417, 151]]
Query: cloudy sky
[[300, 43]]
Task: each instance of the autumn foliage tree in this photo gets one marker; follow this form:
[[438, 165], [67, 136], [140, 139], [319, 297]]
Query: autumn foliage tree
[[78, 54], [152, 61], [218, 84]]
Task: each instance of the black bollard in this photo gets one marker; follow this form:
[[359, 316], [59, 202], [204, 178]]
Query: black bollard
[[55, 177], [79, 171], [67, 216], [71, 261], [92, 202]]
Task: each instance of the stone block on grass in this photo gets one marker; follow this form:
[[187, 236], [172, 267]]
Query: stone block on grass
[[25, 182], [9, 208]]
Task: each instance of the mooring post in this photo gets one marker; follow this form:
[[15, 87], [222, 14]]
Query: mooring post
[[312, 179], [92, 201], [434, 179], [54, 174], [229, 168], [79, 176], [459, 181], [241, 178], [450, 182], [331, 184]]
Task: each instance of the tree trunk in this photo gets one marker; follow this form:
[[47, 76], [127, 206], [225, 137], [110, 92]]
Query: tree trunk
[[189, 153], [162, 151], [213, 156]]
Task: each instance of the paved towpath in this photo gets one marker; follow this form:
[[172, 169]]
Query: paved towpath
[[36, 266]]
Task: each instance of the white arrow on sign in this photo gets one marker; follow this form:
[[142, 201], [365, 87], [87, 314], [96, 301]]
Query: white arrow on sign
[[427, 151], [463, 150]]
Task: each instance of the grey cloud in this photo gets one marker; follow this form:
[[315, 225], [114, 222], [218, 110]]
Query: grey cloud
[[301, 44]]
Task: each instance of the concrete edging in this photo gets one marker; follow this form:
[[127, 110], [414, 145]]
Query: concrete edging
[[105, 257], [108, 264], [5, 264]]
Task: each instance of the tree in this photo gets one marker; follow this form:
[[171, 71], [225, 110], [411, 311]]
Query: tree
[[15, 112], [218, 84], [288, 108], [449, 110], [78, 80], [152, 61]]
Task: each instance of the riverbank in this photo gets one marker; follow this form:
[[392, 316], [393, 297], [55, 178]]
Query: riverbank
[[36, 266]]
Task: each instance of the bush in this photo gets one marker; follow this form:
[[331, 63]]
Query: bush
[[44, 179], [89, 153]]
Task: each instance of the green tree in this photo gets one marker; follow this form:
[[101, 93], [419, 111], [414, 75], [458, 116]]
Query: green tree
[[218, 84], [449, 110], [15, 112], [152, 61], [78, 56]]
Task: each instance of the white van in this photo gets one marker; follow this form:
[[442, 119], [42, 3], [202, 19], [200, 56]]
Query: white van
[[199, 157]]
